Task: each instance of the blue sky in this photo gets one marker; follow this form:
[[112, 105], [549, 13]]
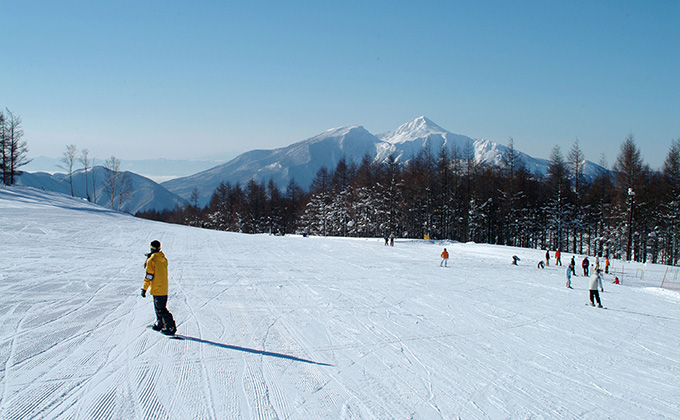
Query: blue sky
[[179, 79]]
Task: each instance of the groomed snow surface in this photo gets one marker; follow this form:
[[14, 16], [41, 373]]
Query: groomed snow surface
[[314, 328]]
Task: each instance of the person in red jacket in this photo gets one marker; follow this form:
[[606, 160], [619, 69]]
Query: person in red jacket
[[606, 265], [445, 258], [586, 266], [558, 257]]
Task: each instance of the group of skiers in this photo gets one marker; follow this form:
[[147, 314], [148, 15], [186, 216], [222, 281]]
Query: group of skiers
[[595, 284]]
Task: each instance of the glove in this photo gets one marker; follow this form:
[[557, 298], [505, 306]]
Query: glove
[[143, 293]]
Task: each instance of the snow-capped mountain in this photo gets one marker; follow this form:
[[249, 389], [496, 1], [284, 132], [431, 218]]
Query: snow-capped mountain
[[409, 139], [299, 161], [146, 195], [302, 160]]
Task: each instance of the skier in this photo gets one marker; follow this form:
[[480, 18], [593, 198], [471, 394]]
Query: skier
[[387, 238], [156, 280], [540, 264], [515, 258], [547, 257], [606, 265], [586, 265], [569, 277], [445, 258], [558, 257], [595, 282], [572, 264], [391, 239]]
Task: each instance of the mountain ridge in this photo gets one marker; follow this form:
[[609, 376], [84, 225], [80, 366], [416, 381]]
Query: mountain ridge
[[300, 161], [146, 194]]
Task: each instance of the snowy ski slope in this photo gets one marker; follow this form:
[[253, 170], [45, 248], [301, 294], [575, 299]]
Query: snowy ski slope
[[313, 328]]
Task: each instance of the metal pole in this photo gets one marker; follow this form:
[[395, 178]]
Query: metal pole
[[631, 194]]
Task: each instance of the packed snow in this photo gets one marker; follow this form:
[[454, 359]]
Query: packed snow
[[315, 328]]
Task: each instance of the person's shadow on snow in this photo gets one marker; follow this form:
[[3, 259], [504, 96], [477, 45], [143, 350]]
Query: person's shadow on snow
[[253, 351]]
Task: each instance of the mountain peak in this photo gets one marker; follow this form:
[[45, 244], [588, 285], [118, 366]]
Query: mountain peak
[[421, 123], [418, 128]]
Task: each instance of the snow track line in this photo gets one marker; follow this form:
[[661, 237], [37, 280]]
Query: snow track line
[[66, 341], [69, 395], [7, 367], [204, 371], [112, 361]]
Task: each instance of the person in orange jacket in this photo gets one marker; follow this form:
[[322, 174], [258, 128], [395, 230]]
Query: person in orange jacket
[[156, 281], [558, 257], [445, 258]]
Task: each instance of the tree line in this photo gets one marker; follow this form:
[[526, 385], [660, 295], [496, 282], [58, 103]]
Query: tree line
[[13, 147], [630, 212]]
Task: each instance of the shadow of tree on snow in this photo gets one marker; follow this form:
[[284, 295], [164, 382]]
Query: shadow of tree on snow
[[253, 351]]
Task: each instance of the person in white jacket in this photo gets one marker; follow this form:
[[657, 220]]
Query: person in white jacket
[[595, 283]]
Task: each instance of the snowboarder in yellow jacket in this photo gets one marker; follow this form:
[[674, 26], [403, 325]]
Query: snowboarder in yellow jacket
[[156, 281]]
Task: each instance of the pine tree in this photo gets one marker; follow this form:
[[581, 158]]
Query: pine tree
[[576, 162], [557, 187], [315, 219], [628, 171], [671, 173], [294, 198], [14, 148]]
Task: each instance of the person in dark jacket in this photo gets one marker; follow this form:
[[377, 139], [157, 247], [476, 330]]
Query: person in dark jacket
[[586, 266]]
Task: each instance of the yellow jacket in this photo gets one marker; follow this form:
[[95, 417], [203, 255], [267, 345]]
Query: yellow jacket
[[156, 274]]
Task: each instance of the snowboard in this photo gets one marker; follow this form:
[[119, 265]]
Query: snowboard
[[174, 336]]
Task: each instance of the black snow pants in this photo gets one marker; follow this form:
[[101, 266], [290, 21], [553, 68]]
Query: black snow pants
[[163, 316], [595, 294]]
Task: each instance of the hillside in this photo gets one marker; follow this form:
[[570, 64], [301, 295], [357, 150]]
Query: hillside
[[147, 194], [314, 328]]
